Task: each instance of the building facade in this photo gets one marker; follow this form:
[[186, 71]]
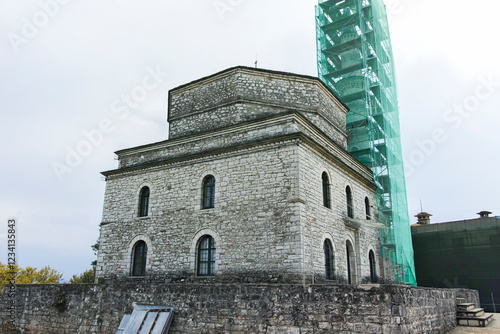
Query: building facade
[[254, 184]]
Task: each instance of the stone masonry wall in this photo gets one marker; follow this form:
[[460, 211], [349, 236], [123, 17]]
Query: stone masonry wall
[[268, 222], [323, 223], [246, 308], [254, 223], [268, 206], [213, 102], [238, 135]]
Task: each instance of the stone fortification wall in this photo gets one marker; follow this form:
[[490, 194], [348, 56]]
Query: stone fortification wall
[[235, 308]]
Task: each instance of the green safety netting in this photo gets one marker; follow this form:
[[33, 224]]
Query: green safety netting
[[355, 61]]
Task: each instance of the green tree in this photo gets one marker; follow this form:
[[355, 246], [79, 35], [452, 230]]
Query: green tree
[[95, 249], [29, 275], [7, 273], [46, 275], [86, 278]]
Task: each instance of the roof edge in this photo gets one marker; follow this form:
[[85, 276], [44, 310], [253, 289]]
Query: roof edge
[[261, 70]]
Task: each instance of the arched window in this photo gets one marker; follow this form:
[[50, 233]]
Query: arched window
[[348, 195], [373, 268], [329, 260], [139, 258], [208, 192], [367, 209], [144, 202], [206, 256], [351, 266], [326, 190]]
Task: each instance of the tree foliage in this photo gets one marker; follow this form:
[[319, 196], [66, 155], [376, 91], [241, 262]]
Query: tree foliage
[[28, 275], [8, 273], [86, 278], [95, 249]]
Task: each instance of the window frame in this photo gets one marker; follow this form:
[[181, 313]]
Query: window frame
[[326, 190], [351, 265], [368, 209], [144, 195], [373, 266], [139, 259], [329, 254], [211, 251], [349, 201], [208, 192]]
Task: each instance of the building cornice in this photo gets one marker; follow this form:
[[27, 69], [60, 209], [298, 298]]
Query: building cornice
[[314, 139], [248, 125], [253, 146]]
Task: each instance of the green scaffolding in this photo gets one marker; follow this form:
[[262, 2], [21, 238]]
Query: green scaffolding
[[355, 61]]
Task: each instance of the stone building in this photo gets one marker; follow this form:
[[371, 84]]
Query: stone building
[[254, 184]]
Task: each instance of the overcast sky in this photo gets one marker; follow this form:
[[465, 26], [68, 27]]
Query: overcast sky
[[66, 67]]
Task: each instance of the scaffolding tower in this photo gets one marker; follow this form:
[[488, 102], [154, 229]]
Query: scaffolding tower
[[355, 61]]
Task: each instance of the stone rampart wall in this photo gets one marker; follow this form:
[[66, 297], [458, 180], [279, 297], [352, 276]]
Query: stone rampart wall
[[233, 308]]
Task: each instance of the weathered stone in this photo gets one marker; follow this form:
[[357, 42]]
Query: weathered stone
[[232, 308], [267, 138]]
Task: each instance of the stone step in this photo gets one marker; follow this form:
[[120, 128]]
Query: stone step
[[481, 321], [460, 300], [473, 313], [465, 307]]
